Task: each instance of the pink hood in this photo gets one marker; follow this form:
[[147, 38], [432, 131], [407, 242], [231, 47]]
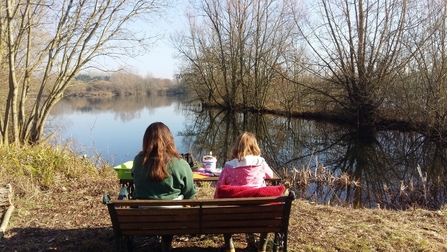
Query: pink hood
[[251, 171]]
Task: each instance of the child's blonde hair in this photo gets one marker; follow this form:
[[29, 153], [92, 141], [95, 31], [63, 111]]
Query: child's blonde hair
[[246, 144]]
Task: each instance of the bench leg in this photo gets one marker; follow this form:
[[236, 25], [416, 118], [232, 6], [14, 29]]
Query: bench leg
[[166, 241], [285, 242], [118, 243], [128, 241], [124, 243]]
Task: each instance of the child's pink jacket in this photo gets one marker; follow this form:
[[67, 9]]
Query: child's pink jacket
[[251, 171]]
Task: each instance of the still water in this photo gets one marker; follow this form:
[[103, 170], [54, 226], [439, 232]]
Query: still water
[[324, 162], [112, 128]]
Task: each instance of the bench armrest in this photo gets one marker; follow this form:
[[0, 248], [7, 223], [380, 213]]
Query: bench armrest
[[292, 195]]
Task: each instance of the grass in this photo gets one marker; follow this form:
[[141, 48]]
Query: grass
[[57, 196]]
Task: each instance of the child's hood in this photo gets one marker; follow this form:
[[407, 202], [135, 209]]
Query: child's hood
[[246, 161]]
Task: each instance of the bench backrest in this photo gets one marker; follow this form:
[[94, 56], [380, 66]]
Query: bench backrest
[[213, 216]]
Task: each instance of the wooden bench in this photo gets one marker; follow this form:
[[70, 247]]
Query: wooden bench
[[195, 217]]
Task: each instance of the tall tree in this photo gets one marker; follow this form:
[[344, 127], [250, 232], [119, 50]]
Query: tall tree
[[423, 88], [232, 48], [357, 51], [44, 45]]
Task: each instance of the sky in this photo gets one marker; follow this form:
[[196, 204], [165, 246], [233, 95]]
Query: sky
[[160, 61]]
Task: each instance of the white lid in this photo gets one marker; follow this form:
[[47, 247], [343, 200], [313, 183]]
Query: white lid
[[209, 158]]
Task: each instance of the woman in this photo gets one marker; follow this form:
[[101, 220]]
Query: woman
[[159, 172], [245, 168]]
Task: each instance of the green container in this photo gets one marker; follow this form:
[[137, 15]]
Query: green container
[[124, 170]]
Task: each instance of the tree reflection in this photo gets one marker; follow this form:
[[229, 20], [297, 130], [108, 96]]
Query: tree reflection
[[331, 163]]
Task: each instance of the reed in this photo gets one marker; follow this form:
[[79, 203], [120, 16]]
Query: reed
[[322, 185]]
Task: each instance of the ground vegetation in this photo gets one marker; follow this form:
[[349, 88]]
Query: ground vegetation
[[58, 206]]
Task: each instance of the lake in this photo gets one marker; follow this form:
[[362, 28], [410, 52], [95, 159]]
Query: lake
[[112, 128], [324, 162]]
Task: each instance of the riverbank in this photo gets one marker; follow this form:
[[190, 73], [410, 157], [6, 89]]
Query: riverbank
[[67, 214], [384, 122]]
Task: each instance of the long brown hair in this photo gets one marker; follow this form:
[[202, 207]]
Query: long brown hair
[[246, 144], [158, 149]]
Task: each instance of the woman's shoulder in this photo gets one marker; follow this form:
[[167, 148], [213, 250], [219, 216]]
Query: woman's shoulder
[[138, 159], [179, 162], [178, 167]]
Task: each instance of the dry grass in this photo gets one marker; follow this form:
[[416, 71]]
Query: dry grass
[[65, 213]]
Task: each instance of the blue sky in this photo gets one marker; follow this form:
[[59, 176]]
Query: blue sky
[[160, 61]]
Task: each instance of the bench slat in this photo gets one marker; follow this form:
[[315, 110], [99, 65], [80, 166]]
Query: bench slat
[[156, 211], [242, 223], [166, 225], [241, 230], [157, 219], [195, 224], [242, 216], [211, 202], [279, 208], [141, 232], [191, 231]]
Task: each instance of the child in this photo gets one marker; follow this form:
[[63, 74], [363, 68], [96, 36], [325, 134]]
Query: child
[[245, 168]]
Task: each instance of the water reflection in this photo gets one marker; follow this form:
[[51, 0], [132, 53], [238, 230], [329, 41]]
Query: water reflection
[[324, 162], [351, 166], [110, 129]]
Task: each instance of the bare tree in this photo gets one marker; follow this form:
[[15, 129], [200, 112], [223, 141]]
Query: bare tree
[[232, 48], [127, 82], [357, 51], [423, 88], [45, 44]]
